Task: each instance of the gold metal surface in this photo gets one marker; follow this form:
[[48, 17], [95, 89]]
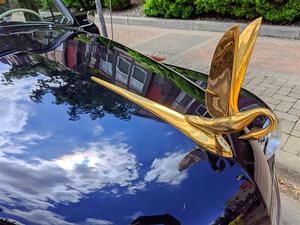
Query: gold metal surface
[[228, 69], [217, 96], [226, 76], [210, 141], [236, 123]]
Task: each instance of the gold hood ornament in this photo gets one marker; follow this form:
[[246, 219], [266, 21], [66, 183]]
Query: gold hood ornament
[[226, 76]]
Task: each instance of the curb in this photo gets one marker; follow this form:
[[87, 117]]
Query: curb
[[290, 32]]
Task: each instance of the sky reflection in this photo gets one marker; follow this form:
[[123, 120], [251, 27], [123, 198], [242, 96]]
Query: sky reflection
[[54, 170]]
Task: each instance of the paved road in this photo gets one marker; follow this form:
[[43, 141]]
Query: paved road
[[273, 74]]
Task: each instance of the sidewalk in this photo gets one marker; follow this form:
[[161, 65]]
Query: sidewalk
[[292, 32], [273, 74]]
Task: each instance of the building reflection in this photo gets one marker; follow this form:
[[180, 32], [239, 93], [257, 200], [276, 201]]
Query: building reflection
[[244, 208], [156, 220], [116, 65]]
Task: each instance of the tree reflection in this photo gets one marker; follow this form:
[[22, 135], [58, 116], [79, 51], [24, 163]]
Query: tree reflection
[[6, 222], [68, 87]]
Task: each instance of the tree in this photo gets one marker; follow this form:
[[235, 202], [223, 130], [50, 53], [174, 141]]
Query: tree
[[68, 87]]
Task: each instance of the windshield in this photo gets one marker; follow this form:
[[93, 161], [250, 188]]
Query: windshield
[[28, 11]]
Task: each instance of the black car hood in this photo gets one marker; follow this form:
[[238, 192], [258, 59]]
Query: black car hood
[[72, 152]]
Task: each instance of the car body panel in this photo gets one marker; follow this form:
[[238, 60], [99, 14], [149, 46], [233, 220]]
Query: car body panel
[[76, 153]]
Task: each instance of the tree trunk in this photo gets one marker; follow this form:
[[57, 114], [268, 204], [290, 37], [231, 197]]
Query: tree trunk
[[101, 18]]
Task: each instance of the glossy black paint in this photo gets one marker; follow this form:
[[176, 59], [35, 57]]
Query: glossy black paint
[[72, 152]]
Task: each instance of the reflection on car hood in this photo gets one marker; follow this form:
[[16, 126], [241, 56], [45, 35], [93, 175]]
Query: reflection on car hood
[[72, 152]]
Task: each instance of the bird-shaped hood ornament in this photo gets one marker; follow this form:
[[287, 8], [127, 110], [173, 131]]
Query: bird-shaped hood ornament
[[228, 69]]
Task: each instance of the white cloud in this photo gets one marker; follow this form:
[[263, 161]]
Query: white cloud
[[38, 186], [101, 164], [165, 170], [98, 130], [64, 180], [41, 217], [15, 111]]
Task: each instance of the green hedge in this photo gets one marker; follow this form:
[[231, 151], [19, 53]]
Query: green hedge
[[170, 9], [270, 10]]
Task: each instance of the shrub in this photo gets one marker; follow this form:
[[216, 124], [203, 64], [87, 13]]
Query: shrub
[[170, 9], [278, 10], [156, 8], [182, 9], [270, 10], [235, 8]]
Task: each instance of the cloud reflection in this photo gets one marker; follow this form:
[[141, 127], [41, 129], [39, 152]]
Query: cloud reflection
[[36, 185], [66, 179], [15, 112], [39, 185], [41, 217], [165, 170]]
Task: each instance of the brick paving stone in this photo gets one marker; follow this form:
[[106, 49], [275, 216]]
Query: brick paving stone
[[296, 89], [270, 92], [257, 91], [255, 86], [294, 95], [284, 138], [287, 116], [267, 85], [282, 79], [297, 126], [294, 111], [284, 106], [270, 100], [294, 81], [292, 145], [284, 91], [297, 105], [286, 126], [295, 133], [284, 84], [171, 44], [269, 80], [272, 106], [256, 81], [285, 98]]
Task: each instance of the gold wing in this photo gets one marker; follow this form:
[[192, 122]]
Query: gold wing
[[228, 69], [217, 94]]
